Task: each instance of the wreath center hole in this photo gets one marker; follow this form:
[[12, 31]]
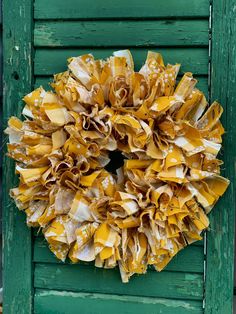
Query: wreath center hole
[[116, 161]]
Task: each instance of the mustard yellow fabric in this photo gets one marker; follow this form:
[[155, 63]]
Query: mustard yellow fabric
[[157, 202]]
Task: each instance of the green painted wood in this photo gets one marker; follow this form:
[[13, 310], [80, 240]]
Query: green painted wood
[[190, 259], [50, 61], [187, 39], [121, 33], [90, 303], [17, 80], [105, 9], [220, 241], [45, 82], [83, 278]]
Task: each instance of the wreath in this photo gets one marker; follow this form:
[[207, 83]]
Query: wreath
[[133, 211]]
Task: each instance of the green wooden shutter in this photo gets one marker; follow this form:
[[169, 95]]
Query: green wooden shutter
[[38, 38]]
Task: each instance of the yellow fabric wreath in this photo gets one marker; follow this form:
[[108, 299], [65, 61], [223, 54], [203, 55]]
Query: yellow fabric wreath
[[157, 202]]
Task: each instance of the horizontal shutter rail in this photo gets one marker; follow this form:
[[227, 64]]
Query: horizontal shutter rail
[[175, 285], [190, 259], [90, 303], [50, 61], [105, 9], [121, 33]]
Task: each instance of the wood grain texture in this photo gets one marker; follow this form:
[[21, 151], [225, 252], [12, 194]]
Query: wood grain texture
[[83, 278], [190, 259], [121, 33], [105, 9], [17, 80], [90, 303], [220, 241], [50, 61]]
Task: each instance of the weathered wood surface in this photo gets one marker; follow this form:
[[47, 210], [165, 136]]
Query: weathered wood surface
[[17, 80], [121, 33], [83, 278], [102, 9], [220, 241], [90, 303], [195, 60]]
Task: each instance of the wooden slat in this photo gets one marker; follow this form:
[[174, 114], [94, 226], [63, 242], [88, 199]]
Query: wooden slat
[[121, 33], [45, 80], [61, 302], [49, 61], [83, 278], [220, 241], [105, 9], [17, 80], [190, 259]]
